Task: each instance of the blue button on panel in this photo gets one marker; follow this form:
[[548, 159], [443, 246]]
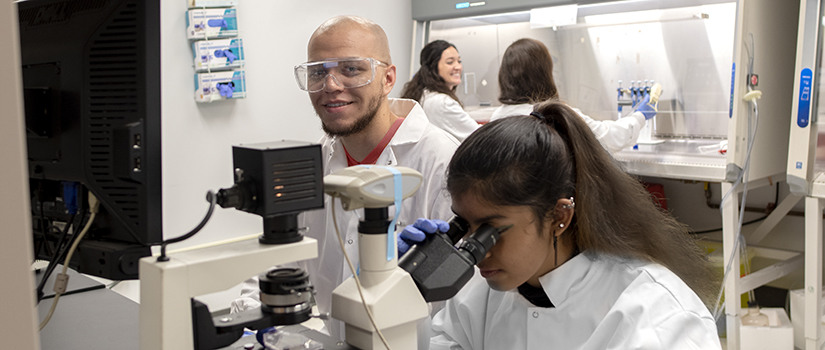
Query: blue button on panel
[[803, 114]]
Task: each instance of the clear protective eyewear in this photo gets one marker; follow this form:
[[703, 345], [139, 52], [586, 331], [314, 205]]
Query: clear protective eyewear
[[350, 72]]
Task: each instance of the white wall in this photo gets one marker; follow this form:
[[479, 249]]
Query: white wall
[[198, 138]]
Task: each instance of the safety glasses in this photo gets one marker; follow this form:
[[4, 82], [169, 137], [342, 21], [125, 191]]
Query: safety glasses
[[350, 72]]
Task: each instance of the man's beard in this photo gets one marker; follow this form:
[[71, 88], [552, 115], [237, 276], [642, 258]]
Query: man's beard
[[360, 124]]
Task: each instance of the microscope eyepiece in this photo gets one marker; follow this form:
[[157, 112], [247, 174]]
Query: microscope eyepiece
[[458, 228], [475, 246], [438, 268]]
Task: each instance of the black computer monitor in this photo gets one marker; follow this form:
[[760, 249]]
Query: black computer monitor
[[91, 81]]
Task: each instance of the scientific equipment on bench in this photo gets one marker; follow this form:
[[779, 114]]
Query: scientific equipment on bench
[[391, 304], [277, 181]]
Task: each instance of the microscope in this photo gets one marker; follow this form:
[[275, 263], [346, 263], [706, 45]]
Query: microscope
[[276, 181], [396, 291], [391, 303]]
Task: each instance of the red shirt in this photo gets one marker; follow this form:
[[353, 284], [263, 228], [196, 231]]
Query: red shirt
[[372, 157]]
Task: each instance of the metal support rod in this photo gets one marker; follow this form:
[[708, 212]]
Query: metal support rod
[[730, 218], [813, 271], [773, 218]]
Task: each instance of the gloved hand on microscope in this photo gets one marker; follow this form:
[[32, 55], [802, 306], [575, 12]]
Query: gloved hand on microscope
[[417, 232]]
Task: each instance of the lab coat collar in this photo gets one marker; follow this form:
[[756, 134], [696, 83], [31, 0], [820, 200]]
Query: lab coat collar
[[558, 283], [411, 131], [415, 122]]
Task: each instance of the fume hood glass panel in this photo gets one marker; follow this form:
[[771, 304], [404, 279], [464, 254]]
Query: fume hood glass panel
[[819, 164], [819, 110], [818, 185], [688, 50]]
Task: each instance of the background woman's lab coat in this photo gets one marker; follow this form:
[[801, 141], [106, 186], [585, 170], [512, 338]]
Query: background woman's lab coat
[[447, 114], [614, 135]]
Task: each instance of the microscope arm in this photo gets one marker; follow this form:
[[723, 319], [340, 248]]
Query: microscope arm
[[166, 287]]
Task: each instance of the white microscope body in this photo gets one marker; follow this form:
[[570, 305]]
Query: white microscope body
[[277, 181], [389, 292], [166, 287]]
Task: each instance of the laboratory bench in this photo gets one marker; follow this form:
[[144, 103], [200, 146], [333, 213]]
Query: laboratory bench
[[88, 316], [91, 316], [686, 159]]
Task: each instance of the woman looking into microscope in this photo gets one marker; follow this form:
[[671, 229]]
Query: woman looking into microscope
[[588, 261]]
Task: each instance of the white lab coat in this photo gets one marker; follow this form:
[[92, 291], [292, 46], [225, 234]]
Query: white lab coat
[[600, 303], [614, 135], [417, 144], [447, 114]]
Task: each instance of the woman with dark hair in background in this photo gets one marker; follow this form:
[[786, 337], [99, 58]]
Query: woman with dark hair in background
[[434, 85], [525, 78], [586, 259]]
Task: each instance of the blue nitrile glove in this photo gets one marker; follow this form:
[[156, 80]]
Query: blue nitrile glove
[[217, 22], [647, 109], [417, 232], [230, 57], [225, 89]]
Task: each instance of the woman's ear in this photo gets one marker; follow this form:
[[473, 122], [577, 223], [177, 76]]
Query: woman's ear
[[564, 210]]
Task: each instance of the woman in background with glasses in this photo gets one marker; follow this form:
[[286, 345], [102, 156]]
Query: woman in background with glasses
[[434, 85]]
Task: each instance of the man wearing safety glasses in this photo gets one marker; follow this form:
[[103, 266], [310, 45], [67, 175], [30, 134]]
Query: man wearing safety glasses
[[349, 75]]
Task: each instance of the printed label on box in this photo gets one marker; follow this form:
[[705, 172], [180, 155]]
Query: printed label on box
[[211, 23], [220, 85], [212, 3], [218, 54]]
